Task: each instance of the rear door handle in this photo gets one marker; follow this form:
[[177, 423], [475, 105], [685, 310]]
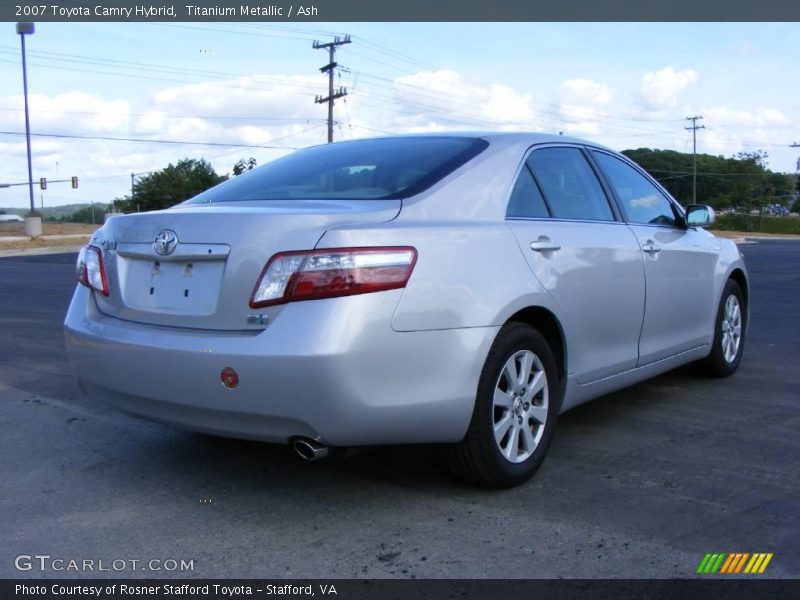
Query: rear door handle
[[651, 248], [544, 245]]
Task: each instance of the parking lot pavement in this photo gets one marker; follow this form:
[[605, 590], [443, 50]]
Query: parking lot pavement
[[641, 483]]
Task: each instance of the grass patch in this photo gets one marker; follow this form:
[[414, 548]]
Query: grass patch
[[32, 243], [755, 224]]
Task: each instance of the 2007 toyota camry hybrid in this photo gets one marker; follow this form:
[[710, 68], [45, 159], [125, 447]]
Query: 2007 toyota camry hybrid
[[460, 289]]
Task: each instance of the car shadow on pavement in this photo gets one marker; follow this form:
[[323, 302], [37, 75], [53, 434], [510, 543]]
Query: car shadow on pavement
[[237, 466]]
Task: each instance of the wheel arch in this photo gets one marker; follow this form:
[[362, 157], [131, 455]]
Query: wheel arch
[[550, 327], [741, 279]]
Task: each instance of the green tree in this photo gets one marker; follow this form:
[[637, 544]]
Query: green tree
[[171, 185], [88, 214], [742, 182], [243, 165]]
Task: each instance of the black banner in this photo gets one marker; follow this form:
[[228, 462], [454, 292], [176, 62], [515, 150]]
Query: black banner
[[407, 10], [341, 589]]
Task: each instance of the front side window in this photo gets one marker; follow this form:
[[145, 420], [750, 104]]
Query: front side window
[[526, 200], [383, 168], [642, 202], [569, 185]]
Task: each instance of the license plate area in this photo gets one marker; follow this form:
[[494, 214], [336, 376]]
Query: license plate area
[[185, 287]]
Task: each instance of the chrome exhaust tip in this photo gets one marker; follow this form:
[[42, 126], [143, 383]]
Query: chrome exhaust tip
[[310, 450]]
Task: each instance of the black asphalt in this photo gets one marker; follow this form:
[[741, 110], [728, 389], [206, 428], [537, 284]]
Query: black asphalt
[[641, 483]]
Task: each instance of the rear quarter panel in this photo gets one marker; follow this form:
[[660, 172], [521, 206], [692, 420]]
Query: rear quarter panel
[[468, 274]]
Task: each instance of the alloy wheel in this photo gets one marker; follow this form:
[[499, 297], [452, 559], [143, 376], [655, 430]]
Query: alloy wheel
[[731, 328], [520, 406]]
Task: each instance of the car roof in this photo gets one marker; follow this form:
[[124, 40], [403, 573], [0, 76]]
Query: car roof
[[507, 137]]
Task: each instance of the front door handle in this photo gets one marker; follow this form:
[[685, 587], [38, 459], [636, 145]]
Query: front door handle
[[651, 248], [544, 245]]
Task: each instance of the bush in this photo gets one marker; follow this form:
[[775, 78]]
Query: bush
[[754, 223]]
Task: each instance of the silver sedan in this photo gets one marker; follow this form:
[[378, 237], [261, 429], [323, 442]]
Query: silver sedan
[[459, 289]]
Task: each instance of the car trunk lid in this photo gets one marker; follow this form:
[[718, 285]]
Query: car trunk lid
[[196, 266]]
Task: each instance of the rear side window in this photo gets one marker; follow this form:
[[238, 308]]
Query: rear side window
[[570, 187], [366, 169], [642, 201], [526, 200]]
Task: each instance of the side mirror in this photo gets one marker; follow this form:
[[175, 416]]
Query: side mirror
[[699, 215]]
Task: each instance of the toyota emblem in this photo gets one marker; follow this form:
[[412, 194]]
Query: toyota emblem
[[165, 242]]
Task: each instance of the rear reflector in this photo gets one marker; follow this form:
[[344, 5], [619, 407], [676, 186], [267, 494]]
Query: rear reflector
[[333, 272], [229, 377], [91, 270]]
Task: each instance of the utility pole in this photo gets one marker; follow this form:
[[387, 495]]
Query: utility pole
[[133, 182], [694, 127], [24, 29], [329, 69]]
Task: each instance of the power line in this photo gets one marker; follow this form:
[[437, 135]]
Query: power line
[[157, 113], [439, 113], [149, 141], [431, 110], [428, 103], [687, 173], [554, 107], [394, 55], [296, 133], [423, 101], [430, 95], [222, 30], [158, 68]]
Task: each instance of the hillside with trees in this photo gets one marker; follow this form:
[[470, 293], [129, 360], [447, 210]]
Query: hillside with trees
[[742, 182], [66, 213]]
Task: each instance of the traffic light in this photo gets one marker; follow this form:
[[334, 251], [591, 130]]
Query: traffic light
[[74, 183], [43, 183]]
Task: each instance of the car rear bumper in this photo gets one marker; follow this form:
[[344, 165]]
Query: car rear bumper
[[331, 370]]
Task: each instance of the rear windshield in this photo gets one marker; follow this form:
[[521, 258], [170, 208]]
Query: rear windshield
[[367, 169]]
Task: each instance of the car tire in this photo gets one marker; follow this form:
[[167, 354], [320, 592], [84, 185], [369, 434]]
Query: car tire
[[516, 406], [729, 334]]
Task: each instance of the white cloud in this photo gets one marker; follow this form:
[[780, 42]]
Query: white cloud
[[250, 110], [446, 96], [252, 95], [70, 112], [732, 130], [660, 90], [756, 117], [582, 102], [183, 112], [744, 48]]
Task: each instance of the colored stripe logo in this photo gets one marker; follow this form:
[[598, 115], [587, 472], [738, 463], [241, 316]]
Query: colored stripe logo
[[737, 562]]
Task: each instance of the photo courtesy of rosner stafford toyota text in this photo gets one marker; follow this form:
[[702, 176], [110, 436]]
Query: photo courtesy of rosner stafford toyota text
[[365, 300]]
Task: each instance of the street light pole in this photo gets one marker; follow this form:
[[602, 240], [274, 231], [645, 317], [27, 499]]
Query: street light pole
[[24, 29]]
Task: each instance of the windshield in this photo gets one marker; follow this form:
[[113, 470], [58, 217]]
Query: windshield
[[367, 169]]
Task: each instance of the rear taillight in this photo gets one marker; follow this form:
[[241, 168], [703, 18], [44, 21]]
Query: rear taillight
[[314, 274], [91, 271]]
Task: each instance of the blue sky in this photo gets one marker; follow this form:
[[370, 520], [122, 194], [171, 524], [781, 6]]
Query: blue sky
[[625, 85]]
